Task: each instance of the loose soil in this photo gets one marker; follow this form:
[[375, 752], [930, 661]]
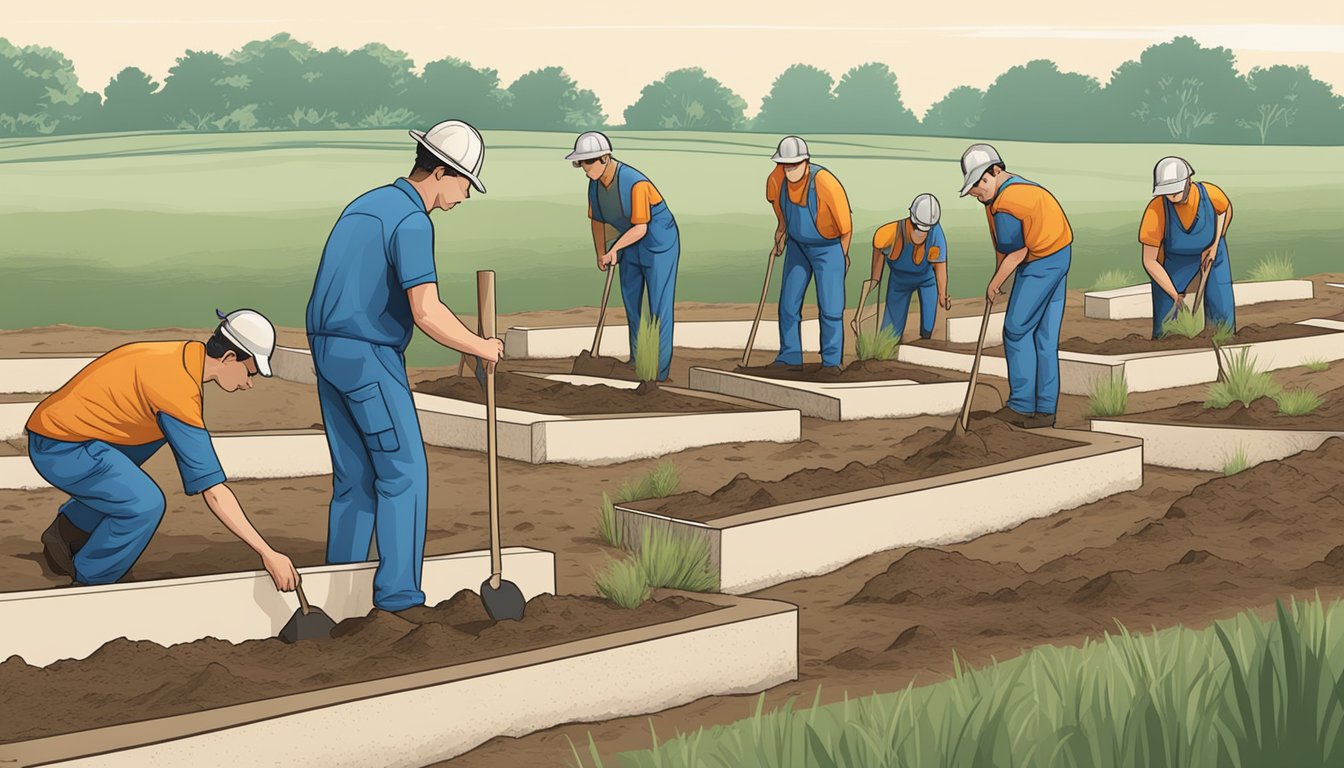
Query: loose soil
[[126, 681], [528, 393], [607, 367], [857, 371], [1263, 413], [930, 452], [1143, 342]]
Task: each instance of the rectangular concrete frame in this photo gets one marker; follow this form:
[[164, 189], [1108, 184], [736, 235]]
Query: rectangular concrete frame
[[21, 375], [294, 364], [45, 625], [966, 330], [525, 343], [1136, 301], [745, 647], [757, 549], [836, 401], [1208, 448], [1148, 371], [539, 438]]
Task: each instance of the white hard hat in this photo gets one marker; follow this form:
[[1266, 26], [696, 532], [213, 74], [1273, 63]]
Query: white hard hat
[[589, 146], [457, 144], [925, 212], [791, 150], [250, 331], [1170, 175], [977, 159]]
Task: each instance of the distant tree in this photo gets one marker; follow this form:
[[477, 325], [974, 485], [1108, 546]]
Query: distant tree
[[1176, 91], [452, 87], [800, 101], [687, 100], [1037, 102], [347, 88], [956, 114], [549, 100], [868, 100], [273, 75], [39, 92], [1288, 106], [196, 92], [128, 103]]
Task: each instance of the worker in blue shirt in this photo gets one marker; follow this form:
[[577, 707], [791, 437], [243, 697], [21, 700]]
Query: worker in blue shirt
[[375, 283]]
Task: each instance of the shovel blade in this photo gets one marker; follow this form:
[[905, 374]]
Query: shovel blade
[[505, 603], [315, 625], [480, 372]]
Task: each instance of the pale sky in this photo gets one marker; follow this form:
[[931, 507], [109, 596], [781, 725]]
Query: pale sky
[[617, 48]]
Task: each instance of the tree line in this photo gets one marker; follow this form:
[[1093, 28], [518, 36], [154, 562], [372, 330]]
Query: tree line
[[1177, 91]]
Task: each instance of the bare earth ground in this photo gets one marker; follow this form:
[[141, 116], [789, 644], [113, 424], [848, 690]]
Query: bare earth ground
[[554, 507]]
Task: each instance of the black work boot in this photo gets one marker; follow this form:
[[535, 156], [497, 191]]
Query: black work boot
[[60, 542], [1040, 421], [1009, 416]]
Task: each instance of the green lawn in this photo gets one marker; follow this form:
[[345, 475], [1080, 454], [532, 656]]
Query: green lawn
[[147, 230]]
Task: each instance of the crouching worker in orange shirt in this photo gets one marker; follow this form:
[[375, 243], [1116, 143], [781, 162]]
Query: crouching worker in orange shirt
[[90, 437]]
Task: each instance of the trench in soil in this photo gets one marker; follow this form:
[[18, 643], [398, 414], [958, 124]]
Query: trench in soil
[[1138, 342], [126, 681], [557, 398], [930, 452], [857, 371], [1262, 412]]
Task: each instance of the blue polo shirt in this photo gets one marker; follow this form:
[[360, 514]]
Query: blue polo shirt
[[381, 246]]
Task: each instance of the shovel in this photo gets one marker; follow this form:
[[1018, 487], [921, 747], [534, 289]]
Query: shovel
[[503, 600], [964, 420], [760, 309], [307, 623]]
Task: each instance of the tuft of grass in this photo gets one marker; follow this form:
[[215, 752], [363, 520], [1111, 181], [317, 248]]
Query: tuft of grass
[[608, 524], [1185, 323], [1222, 333], [881, 345], [646, 348], [1236, 462], [676, 560], [1273, 267], [623, 583], [1110, 396], [1298, 402], [1115, 278], [658, 483], [1317, 365], [1244, 382]]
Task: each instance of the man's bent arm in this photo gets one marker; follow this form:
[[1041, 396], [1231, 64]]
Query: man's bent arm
[[440, 324]]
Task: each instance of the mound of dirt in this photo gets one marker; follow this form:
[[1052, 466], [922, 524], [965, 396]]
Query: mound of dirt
[[929, 452], [528, 393], [1138, 342], [1260, 413], [859, 370], [607, 367], [126, 681]]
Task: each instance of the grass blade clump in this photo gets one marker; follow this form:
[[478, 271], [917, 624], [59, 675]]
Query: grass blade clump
[[659, 482], [647, 349], [1115, 278], [1185, 323], [1273, 267], [1236, 462], [1222, 333], [1110, 396], [1317, 365], [623, 583], [663, 480], [881, 345], [608, 524], [676, 560], [1243, 382], [1298, 402]]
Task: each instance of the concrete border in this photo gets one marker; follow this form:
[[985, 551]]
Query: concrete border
[[539, 438], [1135, 301], [45, 625], [836, 401], [1148, 371], [966, 330], [1207, 448], [37, 375], [294, 364], [763, 547], [537, 343], [747, 646]]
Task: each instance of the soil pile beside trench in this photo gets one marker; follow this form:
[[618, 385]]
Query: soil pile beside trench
[[528, 393], [1263, 412], [607, 367], [929, 452], [859, 370], [126, 681], [1271, 532]]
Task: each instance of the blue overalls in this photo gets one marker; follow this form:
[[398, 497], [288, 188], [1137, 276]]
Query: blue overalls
[[1182, 249], [650, 264], [907, 275], [807, 253], [1033, 319], [359, 324]]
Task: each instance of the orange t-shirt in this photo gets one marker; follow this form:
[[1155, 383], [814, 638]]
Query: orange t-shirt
[[833, 214], [890, 239], [1153, 226], [117, 398], [643, 196]]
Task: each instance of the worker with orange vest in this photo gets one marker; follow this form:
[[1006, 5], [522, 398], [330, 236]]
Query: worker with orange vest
[[914, 251]]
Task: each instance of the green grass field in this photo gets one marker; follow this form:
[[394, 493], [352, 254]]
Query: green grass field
[[143, 230]]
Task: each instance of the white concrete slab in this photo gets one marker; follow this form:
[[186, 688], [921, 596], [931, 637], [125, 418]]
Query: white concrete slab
[[1208, 448], [20, 375], [1135, 301], [45, 625], [966, 330], [294, 364], [836, 401], [529, 343], [760, 548]]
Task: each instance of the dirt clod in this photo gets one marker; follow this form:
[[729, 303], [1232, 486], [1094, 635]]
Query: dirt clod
[[528, 393]]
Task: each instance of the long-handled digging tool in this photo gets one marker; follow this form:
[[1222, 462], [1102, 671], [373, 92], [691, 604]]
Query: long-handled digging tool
[[602, 313], [760, 309], [856, 324], [307, 623], [964, 419], [502, 598]]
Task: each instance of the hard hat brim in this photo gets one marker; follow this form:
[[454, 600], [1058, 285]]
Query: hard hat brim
[[923, 227], [973, 176], [263, 365], [573, 156], [1170, 188], [419, 137], [790, 160]]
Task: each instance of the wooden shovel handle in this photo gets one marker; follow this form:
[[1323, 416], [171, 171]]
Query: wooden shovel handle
[[303, 599], [485, 302], [965, 419], [602, 313], [760, 309]]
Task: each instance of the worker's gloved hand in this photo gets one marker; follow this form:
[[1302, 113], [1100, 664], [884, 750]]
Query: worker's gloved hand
[[281, 570], [1206, 258]]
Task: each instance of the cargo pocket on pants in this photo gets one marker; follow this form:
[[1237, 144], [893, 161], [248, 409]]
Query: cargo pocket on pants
[[373, 418]]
